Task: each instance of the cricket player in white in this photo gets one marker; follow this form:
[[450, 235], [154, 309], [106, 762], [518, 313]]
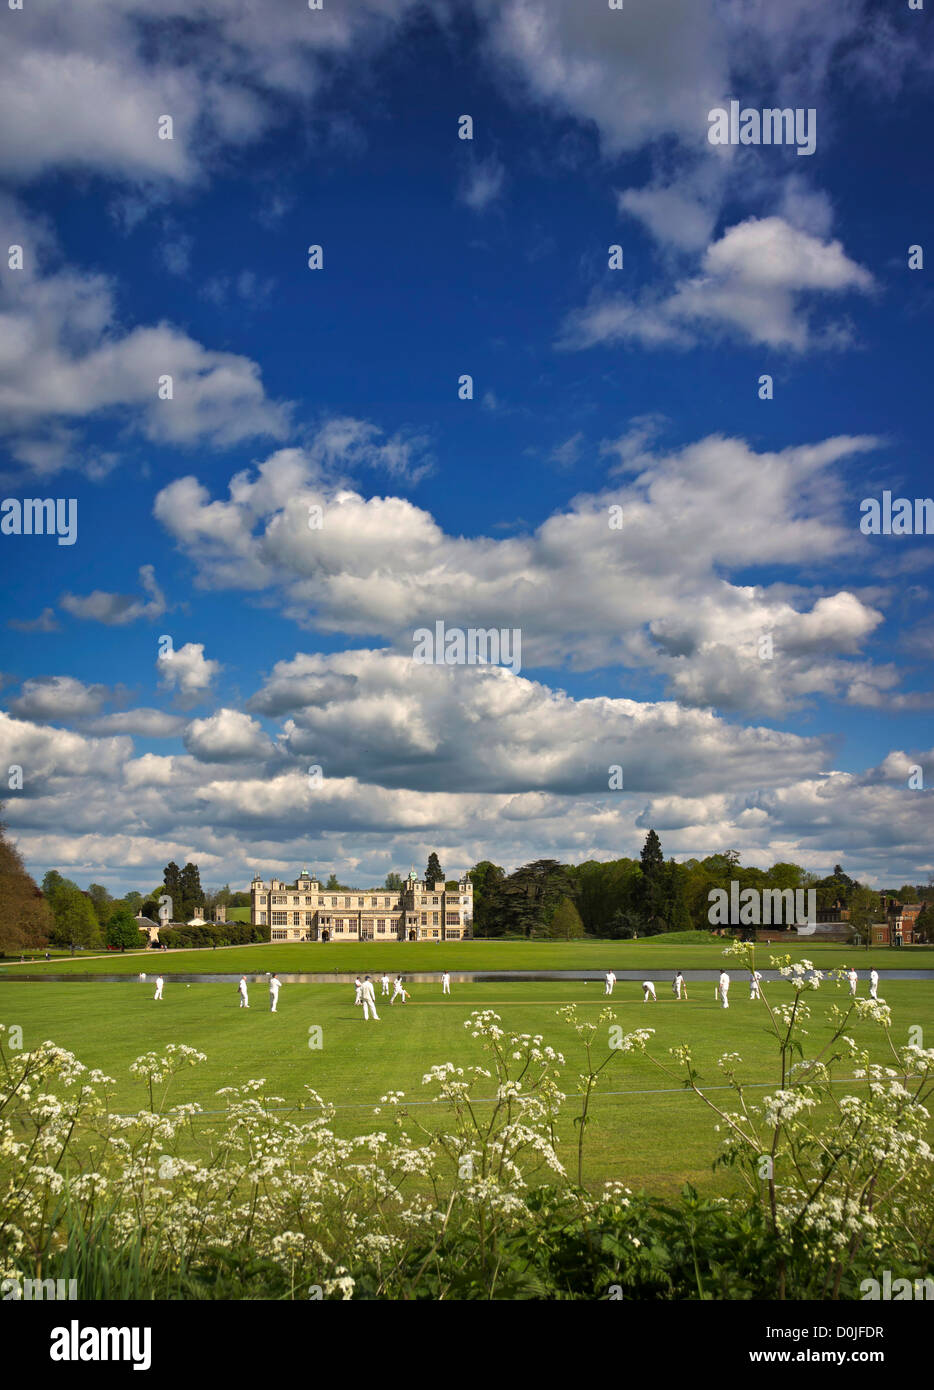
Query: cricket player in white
[[648, 991], [358, 986], [873, 983], [610, 982], [385, 983], [244, 997], [754, 985], [678, 987], [368, 998], [397, 990], [445, 983], [275, 984], [853, 979], [723, 988], [159, 983]]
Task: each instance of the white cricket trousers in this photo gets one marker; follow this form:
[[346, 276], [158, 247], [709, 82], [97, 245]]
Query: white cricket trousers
[[369, 1008]]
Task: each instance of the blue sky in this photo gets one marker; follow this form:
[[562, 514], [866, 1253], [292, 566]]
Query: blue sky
[[592, 387]]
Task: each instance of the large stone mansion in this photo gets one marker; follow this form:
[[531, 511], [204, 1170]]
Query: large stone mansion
[[305, 911]]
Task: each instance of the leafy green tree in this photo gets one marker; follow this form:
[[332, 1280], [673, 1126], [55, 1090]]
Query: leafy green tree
[[487, 879], [394, 882], [75, 919], [653, 892], [332, 883], [434, 872], [836, 887], [602, 890], [172, 885], [192, 892], [530, 896], [786, 875], [25, 915], [123, 929], [676, 915], [52, 883], [566, 921], [103, 902], [624, 923], [864, 910], [651, 859]]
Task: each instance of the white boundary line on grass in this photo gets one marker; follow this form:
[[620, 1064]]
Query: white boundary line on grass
[[490, 1100]]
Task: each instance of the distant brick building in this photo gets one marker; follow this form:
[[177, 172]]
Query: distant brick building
[[419, 911], [899, 927]]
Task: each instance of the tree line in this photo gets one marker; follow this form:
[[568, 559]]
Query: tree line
[[608, 899], [649, 895]]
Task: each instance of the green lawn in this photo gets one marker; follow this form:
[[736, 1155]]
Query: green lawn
[[653, 954], [646, 1130]]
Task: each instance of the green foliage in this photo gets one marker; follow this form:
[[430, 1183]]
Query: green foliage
[[172, 885], [686, 938], [566, 921], [433, 872], [123, 930], [103, 902], [487, 879], [865, 908], [213, 934], [192, 893], [75, 919], [526, 901], [25, 916]]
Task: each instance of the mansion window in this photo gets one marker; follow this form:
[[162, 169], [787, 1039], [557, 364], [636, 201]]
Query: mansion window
[[279, 935], [280, 919], [452, 919]]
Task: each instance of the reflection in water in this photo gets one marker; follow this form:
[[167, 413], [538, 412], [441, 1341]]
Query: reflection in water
[[433, 977]]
